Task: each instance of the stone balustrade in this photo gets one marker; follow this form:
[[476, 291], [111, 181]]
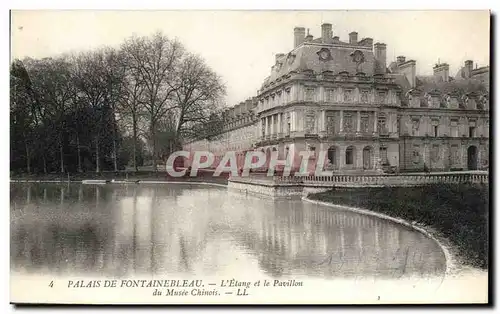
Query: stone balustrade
[[392, 180], [297, 185]]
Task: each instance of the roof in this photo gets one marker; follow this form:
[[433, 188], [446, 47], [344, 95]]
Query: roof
[[306, 58], [454, 86], [393, 66]]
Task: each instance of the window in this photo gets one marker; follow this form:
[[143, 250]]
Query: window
[[288, 125], [455, 154], [330, 125], [310, 119], [436, 131], [331, 155], [472, 131], [435, 153], [365, 125], [454, 127], [364, 96], [415, 126], [381, 97], [381, 126], [349, 156], [348, 95], [310, 94], [287, 95], [416, 154], [383, 155], [330, 95], [348, 123]]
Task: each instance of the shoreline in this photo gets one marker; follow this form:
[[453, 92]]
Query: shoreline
[[453, 266]]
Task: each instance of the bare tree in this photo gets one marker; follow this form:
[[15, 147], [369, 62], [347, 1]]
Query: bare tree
[[153, 59], [56, 93], [198, 95], [130, 108], [89, 77], [22, 108], [114, 71]]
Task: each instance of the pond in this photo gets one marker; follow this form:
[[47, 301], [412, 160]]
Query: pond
[[198, 230]]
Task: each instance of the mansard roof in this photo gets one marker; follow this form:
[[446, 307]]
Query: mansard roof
[[318, 58], [454, 86]]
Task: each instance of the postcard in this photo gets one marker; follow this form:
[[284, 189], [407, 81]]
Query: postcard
[[249, 157]]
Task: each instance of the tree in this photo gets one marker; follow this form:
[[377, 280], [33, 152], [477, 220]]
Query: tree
[[198, 94], [130, 109], [51, 81], [21, 113], [96, 89], [153, 60]]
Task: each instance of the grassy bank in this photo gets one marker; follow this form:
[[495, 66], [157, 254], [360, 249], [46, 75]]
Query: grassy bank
[[121, 175], [458, 212]]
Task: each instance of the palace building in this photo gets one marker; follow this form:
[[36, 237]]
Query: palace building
[[341, 96]]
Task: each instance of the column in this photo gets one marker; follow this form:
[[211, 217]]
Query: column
[[272, 125], [341, 121], [375, 122], [260, 127], [358, 127], [323, 121], [267, 125], [279, 128]]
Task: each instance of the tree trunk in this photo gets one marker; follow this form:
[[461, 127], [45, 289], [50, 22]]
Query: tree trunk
[[78, 153], [153, 137], [61, 153], [115, 153], [97, 169], [134, 148], [44, 164], [28, 157]]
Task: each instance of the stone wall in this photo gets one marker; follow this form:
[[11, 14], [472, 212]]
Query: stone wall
[[296, 186]]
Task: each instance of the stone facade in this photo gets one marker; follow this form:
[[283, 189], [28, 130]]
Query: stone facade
[[239, 134], [341, 97]]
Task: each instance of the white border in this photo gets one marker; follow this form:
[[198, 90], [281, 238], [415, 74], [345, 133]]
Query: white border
[[188, 4]]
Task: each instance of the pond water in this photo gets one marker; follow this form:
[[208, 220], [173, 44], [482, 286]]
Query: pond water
[[190, 229]]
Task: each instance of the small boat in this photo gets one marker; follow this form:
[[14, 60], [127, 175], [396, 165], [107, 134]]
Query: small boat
[[95, 181]]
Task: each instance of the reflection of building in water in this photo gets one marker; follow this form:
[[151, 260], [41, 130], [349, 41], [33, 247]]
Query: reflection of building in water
[[163, 230], [327, 242]]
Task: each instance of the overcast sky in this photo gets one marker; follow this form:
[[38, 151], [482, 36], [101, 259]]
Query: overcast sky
[[240, 46]]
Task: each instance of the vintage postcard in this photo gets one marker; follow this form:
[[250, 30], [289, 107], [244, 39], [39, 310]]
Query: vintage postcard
[[249, 157]]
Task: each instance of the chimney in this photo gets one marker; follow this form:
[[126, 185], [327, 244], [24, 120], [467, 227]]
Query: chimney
[[309, 37], [401, 59], [469, 64], [326, 33], [299, 34], [442, 71], [380, 58], [353, 38]]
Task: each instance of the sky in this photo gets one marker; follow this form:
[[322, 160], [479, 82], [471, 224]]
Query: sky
[[241, 45]]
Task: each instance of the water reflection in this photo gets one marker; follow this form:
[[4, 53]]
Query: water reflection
[[198, 230]]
